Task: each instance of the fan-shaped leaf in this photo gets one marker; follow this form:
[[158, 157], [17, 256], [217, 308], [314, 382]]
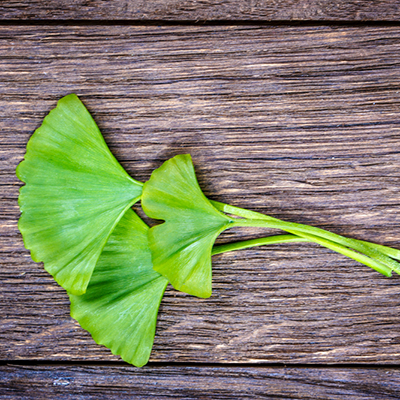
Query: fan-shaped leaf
[[121, 303], [181, 247], [75, 193]]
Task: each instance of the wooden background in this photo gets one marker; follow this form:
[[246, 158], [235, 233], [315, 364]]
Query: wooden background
[[291, 108]]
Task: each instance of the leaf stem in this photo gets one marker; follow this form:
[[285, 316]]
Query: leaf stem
[[245, 244], [370, 257], [389, 251], [376, 251]]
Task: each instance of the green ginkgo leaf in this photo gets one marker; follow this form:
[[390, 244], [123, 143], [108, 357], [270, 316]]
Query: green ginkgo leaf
[[181, 247], [75, 194], [121, 303]]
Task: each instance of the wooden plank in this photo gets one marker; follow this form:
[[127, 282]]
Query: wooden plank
[[206, 10], [301, 123], [194, 382]]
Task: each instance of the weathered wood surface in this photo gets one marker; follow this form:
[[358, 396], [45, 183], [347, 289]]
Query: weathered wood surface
[[205, 10], [196, 382], [298, 122]]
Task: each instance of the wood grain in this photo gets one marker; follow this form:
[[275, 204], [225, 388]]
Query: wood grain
[[205, 10], [196, 382], [298, 122]]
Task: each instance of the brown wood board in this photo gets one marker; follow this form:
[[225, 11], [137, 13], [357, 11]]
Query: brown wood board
[[298, 122], [196, 382], [206, 10]]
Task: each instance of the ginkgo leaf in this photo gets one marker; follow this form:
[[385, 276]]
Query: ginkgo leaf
[[75, 194], [181, 247], [121, 303]]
